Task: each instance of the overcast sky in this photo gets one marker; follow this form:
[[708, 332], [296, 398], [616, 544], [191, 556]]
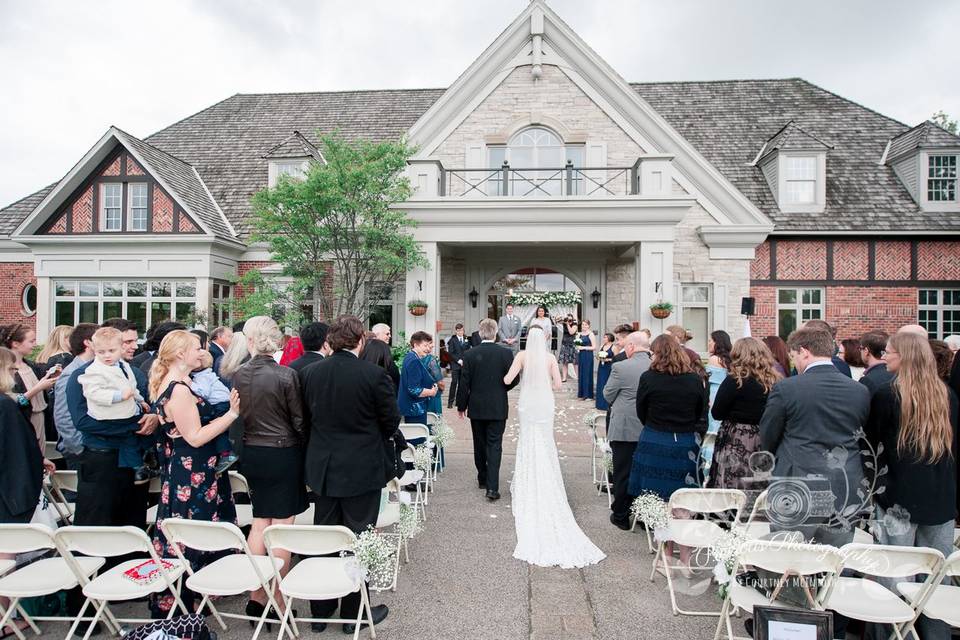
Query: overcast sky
[[68, 70]]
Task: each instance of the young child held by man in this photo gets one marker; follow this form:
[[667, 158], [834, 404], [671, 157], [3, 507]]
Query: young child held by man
[[110, 388], [216, 395]]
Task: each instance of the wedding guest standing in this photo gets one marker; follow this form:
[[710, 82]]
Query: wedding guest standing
[[625, 427], [850, 352], [432, 364], [718, 364], [416, 383], [20, 458], [875, 374], [352, 411], [509, 328], [457, 345], [586, 344], [671, 400], [738, 406], [313, 336], [943, 357], [220, 339], [781, 359], [605, 355], [914, 417], [57, 349], [274, 435], [568, 353], [31, 381], [379, 353], [236, 356], [191, 488]]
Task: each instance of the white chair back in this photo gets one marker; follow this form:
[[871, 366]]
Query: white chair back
[[759, 506], [782, 556], [709, 501], [309, 540], [413, 431], [50, 451], [889, 561], [202, 535], [951, 566], [238, 483], [432, 418], [22, 538], [104, 542], [64, 480]]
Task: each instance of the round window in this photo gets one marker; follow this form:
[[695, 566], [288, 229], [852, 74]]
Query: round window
[[29, 299]]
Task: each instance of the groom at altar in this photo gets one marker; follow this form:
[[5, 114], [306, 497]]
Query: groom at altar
[[482, 396]]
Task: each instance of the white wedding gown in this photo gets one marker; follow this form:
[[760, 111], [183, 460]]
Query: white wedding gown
[[547, 533]]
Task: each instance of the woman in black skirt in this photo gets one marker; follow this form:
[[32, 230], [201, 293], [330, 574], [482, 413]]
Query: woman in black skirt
[[273, 439], [738, 406]]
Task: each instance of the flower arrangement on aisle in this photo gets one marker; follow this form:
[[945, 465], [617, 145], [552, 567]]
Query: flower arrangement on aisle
[[608, 460], [408, 526], [651, 510], [724, 552], [590, 417], [422, 458], [374, 558], [443, 434]]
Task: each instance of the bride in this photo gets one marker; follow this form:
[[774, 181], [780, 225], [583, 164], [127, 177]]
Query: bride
[[547, 534]]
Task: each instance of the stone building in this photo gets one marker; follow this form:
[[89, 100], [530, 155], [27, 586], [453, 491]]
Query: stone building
[[541, 174]]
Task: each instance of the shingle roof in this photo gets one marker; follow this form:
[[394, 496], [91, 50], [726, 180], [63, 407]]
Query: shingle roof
[[12, 215], [926, 135], [296, 146], [184, 181], [790, 138], [726, 121]]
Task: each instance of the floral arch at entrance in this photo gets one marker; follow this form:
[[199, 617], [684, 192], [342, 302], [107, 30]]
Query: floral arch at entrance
[[528, 287]]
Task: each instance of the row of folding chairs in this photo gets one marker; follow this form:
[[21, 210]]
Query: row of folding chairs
[[82, 552]]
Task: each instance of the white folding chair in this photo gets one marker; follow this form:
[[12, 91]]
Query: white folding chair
[[941, 601], [319, 578], [232, 574], [870, 601], [699, 534], [50, 451], [388, 517], [434, 419], [39, 578], [422, 432], [54, 486], [239, 484], [112, 585], [796, 560], [604, 485], [415, 477], [596, 452]]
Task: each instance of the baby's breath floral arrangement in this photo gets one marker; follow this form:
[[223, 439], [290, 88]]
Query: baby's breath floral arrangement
[[724, 552], [422, 458], [443, 434], [408, 526], [374, 558], [651, 510]]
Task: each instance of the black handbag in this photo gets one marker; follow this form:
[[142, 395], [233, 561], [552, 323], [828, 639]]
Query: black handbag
[[394, 446], [193, 626]]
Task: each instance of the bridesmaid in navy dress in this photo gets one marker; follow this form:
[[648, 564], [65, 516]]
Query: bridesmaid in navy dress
[[585, 361], [603, 369]]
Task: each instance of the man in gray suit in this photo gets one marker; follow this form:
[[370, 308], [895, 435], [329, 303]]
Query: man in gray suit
[[810, 424], [624, 429], [508, 328]]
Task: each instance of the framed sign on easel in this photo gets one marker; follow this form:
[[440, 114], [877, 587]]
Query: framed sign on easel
[[782, 623]]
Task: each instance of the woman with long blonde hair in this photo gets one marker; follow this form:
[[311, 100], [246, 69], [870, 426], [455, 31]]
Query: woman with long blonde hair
[[236, 356], [738, 406], [56, 350], [914, 417], [191, 488]]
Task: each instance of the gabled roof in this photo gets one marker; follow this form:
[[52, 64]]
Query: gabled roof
[[926, 135], [295, 146], [791, 138]]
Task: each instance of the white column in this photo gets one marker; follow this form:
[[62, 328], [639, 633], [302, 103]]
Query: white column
[[204, 295], [655, 282], [44, 308], [423, 283]]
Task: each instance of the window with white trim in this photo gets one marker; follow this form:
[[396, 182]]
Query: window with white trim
[[938, 311], [795, 307], [535, 148], [137, 203], [220, 304], [111, 206], [696, 304], [296, 169], [141, 301], [941, 178], [800, 180]]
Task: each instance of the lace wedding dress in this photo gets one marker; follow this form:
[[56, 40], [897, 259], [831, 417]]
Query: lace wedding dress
[[547, 533]]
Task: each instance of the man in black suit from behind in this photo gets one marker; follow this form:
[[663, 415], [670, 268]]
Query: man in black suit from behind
[[457, 346], [313, 337], [482, 397], [872, 346], [351, 407]]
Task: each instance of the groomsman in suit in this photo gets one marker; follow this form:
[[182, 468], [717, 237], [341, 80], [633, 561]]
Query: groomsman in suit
[[219, 342], [509, 329], [623, 430], [314, 339], [351, 407], [482, 397], [457, 345]]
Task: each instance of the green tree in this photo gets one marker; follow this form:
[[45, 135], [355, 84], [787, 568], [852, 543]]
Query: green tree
[[943, 120], [338, 224]]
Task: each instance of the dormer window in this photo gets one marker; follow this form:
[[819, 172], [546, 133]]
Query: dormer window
[[800, 180], [111, 207], [295, 168], [942, 178]]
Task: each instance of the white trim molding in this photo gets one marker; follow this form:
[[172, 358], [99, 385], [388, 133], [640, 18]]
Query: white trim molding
[[735, 242]]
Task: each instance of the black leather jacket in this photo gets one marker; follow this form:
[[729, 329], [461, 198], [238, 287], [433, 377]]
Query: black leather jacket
[[270, 404]]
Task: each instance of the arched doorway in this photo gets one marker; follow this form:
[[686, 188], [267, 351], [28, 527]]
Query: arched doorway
[[528, 287]]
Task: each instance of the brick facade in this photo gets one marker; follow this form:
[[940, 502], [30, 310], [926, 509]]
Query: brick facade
[[893, 260], [14, 276]]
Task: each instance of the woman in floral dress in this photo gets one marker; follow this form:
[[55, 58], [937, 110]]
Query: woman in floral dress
[[190, 486]]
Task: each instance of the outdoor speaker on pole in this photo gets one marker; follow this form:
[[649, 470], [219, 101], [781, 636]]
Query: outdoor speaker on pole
[[747, 306]]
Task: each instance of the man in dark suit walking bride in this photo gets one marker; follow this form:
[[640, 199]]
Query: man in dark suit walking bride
[[482, 397]]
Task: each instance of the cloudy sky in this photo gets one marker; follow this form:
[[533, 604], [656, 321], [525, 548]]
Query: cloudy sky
[[68, 70]]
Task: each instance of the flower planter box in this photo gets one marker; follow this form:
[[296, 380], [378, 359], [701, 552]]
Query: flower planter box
[[660, 314], [418, 311]]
